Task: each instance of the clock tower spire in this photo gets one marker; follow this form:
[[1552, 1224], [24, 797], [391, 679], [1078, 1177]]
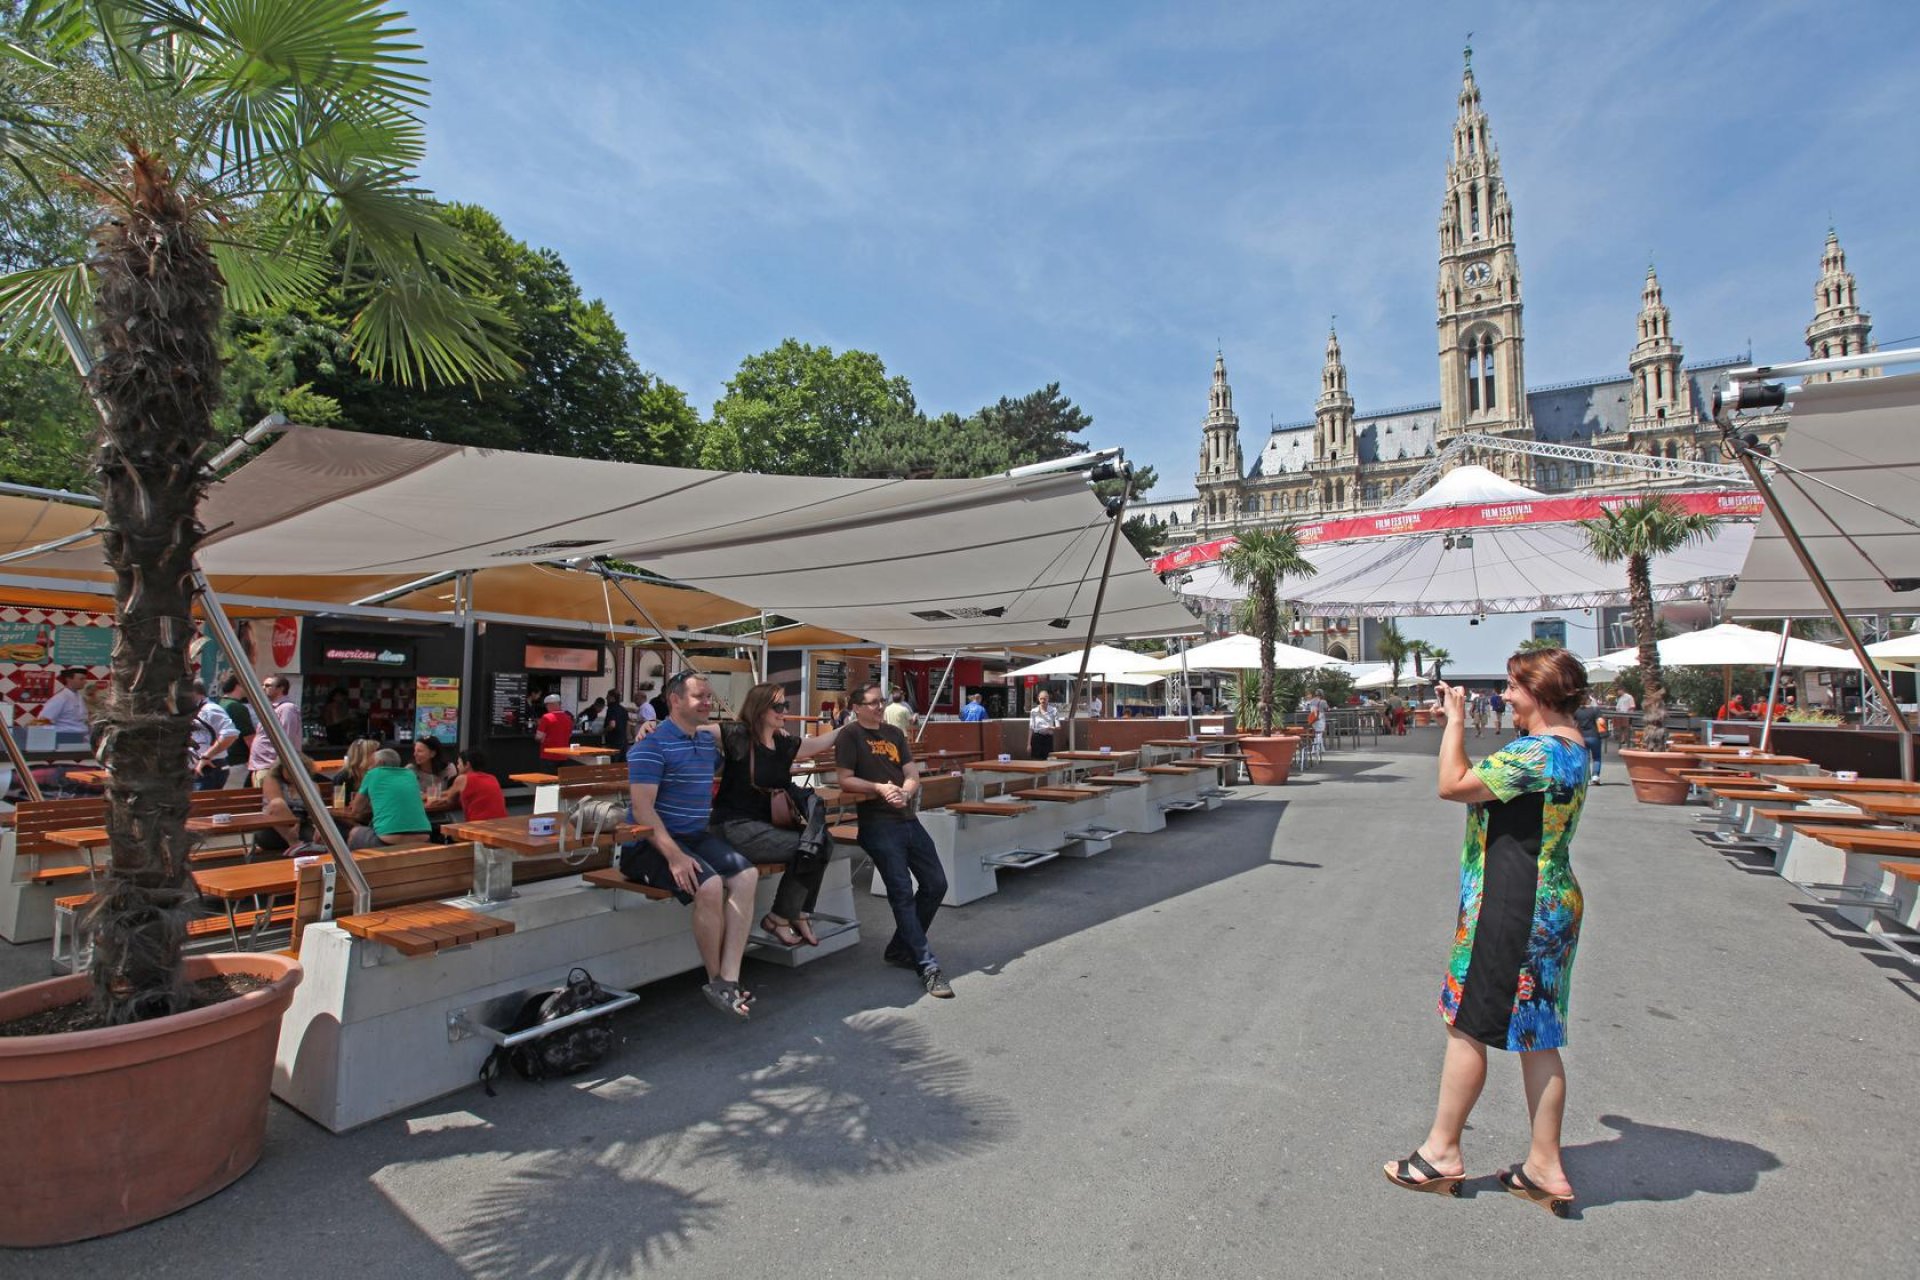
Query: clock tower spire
[[1482, 374]]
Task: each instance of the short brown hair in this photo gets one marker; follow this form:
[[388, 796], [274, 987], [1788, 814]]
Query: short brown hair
[[1556, 679]]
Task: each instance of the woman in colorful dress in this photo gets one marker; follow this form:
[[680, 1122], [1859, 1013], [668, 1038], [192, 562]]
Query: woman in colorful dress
[[1511, 971]]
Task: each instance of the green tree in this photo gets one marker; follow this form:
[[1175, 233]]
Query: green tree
[[798, 410], [1537, 644], [1260, 560], [1395, 648], [1636, 533], [1437, 660], [227, 151]]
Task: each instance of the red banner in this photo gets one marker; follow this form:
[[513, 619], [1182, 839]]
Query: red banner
[[1474, 515]]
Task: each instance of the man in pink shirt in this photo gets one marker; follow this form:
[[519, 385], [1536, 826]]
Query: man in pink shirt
[[262, 755]]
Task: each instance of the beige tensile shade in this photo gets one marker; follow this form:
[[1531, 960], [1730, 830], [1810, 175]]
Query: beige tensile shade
[[1104, 662], [1242, 653], [1728, 645], [1901, 651]]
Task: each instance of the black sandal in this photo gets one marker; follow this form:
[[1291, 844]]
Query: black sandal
[[1516, 1181], [1430, 1179]]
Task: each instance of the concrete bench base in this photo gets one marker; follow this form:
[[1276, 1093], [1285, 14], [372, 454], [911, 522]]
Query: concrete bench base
[[368, 1033]]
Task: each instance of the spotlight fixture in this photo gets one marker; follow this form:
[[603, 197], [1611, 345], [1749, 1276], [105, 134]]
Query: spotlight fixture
[[1061, 624], [1738, 396]]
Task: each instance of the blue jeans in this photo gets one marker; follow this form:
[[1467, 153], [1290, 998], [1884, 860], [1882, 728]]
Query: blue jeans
[[1593, 752], [903, 854]]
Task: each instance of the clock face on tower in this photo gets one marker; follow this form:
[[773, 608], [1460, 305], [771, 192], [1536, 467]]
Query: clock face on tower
[[1478, 273]]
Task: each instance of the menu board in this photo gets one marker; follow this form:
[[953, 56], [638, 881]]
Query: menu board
[[830, 677], [436, 708], [507, 711], [83, 646]]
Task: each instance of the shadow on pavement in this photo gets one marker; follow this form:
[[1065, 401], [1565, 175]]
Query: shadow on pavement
[[1650, 1162]]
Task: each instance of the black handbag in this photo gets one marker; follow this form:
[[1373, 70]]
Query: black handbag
[[816, 846]]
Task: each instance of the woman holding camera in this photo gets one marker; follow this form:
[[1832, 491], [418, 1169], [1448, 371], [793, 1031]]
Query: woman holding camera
[[761, 813], [1511, 971]]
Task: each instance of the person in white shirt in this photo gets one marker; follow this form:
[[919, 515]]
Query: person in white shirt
[[1041, 722], [1316, 707], [1095, 707], [66, 710], [212, 732], [1624, 703]]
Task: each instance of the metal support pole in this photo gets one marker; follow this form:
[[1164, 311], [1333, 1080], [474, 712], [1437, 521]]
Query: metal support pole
[[470, 705], [886, 668], [1773, 687], [1819, 581], [679, 653], [938, 689], [1118, 515], [288, 749], [762, 666], [14, 754], [1186, 685]]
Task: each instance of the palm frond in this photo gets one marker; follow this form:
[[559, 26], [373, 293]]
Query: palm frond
[[27, 304], [264, 273], [417, 328]]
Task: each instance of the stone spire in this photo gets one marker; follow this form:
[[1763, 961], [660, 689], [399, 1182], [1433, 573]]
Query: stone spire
[[1219, 438], [1482, 373], [1840, 327], [1661, 394], [1333, 412]]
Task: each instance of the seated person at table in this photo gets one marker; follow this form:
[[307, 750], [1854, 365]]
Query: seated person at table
[[431, 767], [474, 791], [280, 798], [555, 730], [756, 761], [670, 774], [388, 809], [346, 781]]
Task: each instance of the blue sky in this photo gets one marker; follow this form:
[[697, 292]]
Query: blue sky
[[997, 196]]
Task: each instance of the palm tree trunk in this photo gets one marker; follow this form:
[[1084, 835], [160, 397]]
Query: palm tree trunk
[[1653, 702], [1269, 620], [158, 315]]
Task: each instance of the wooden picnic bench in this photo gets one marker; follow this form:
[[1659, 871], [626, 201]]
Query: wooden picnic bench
[[407, 887]]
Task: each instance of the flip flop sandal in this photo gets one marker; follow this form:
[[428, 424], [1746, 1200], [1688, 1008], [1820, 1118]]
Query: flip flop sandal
[[1430, 1179], [725, 996], [1516, 1181]]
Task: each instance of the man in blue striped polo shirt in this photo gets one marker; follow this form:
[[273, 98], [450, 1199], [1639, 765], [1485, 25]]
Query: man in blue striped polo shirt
[[670, 774]]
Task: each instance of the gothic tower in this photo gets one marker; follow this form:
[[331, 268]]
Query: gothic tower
[[1333, 412], [1660, 394], [1220, 467], [1482, 375], [1840, 327]]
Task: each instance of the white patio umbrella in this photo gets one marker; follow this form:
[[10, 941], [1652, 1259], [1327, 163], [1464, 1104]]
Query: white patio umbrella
[[1901, 651], [1728, 645], [1242, 653], [1105, 663], [1383, 679]]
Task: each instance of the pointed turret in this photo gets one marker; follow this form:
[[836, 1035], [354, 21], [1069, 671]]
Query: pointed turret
[[1220, 465], [1840, 327], [1660, 393], [1333, 412]]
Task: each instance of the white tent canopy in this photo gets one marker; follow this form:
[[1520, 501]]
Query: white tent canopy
[[1242, 653], [1901, 651], [1383, 679], [1510, 570], [1468, 484], [1104, 662], [1728, 645], [1856, 446], [920, 563]]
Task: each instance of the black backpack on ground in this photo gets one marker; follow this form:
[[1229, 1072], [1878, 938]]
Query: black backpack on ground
[[565, 1052]]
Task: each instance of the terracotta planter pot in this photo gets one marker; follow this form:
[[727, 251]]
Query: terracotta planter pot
[[1269, 759], [1422, 717], [108, 1129], [1652, 781]]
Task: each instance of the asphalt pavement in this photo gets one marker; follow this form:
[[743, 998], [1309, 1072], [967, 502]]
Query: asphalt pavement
[[1185, 1057]]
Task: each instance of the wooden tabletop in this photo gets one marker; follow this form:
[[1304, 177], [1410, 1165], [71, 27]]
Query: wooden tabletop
[[1014, 766], [231, 884], [534, 779], [511, 834], [1121, 758], [80, 837], [579, 752], [236, 823], [1906, 809], [89, 777], [1840, 786], [330, 766]]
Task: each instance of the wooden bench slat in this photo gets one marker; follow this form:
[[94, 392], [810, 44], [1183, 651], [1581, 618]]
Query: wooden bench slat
[[610, 878], [992, 810]]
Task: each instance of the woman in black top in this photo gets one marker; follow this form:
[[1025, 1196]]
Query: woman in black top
[[757, 755]]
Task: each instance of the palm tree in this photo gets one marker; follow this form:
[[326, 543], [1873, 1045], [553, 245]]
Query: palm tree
[[1437, 659], [236, 153], [1260, 560], [1655, 525], [1394, 648], [1538, 644]]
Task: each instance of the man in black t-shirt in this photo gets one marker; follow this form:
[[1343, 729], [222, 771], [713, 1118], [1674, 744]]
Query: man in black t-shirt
[[613, 730], [877, 770]]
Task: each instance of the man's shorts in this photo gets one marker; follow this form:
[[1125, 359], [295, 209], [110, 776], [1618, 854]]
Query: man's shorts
[[643, 863]]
